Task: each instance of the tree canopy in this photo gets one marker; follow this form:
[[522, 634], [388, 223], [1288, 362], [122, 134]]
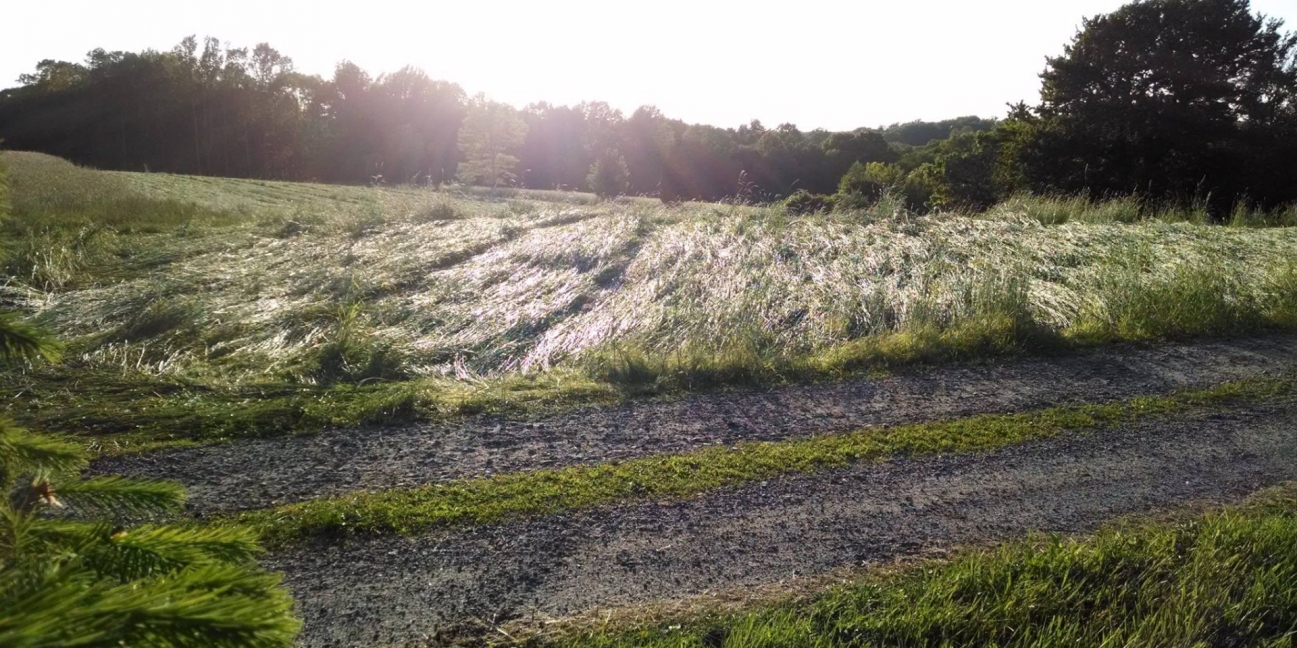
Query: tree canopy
[[1175, 98]]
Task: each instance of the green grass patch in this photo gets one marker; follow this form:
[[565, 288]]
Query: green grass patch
[[477, 501], [1224, 578], [116, 412]]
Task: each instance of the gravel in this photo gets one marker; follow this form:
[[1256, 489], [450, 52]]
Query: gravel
[[256, 473], [401, 590]]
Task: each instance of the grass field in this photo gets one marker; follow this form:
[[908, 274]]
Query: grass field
[[195, 310], [201, 308]]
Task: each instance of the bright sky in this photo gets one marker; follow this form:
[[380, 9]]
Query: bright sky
[[816, 63]]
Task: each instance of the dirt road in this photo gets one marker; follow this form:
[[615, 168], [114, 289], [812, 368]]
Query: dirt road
[[403, 589], [400, 590], [261, 472]]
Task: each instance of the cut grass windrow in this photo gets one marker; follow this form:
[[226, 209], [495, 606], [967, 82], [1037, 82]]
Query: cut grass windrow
[[678, 476], [196, 310], [1224, 578]]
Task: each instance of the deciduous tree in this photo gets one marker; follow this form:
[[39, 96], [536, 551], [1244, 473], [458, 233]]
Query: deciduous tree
[[492, 133]]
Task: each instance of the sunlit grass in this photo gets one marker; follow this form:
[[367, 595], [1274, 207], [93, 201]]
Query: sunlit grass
[[241, 286]]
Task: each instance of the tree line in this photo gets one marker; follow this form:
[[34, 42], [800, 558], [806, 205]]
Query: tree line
[[211, 109], [1182, 100]]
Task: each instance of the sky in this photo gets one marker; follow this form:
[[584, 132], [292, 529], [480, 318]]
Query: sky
[[815, 63]]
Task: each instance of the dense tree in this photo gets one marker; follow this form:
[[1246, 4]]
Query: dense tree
[[609, 177], [554, 154], [919, 133], [210, 109], [648, 138], [862, 146], [492, 133], [1173, 98]]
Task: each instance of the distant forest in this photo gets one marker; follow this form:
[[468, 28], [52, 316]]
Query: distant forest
[[1185, 100]]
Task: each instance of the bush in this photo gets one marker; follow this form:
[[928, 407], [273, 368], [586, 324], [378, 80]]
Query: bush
[[609, 177], [805, 202], [869, 180], [866, 184], [920, 185]]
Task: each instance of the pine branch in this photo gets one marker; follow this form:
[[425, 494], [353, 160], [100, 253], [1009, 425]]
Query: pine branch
[[24, 453], [20, 340], [69, 582], [35, 537], [40, 605], [209, 606], [120, 495], [50, 603], [126, 554], [194, 545]]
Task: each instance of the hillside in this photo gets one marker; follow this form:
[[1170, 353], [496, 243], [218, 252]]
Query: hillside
[[404, 302]]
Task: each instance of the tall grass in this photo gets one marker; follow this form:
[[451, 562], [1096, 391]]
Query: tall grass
[[697, 294], [231, 283], [1060, 209], [68, 222], [6, 206]]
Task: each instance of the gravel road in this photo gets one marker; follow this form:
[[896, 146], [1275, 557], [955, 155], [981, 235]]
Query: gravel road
[[261, 472], [398, 590]]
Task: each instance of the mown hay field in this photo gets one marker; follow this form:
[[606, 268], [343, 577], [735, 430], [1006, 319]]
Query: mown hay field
[[201, 286]]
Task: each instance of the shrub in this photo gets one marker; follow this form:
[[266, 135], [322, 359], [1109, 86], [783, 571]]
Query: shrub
[[609, 177], [870, 180], [920, 185], [805, 202]]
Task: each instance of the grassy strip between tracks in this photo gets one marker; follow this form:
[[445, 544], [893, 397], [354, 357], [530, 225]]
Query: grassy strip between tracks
[[678, 476], [1227, 577]]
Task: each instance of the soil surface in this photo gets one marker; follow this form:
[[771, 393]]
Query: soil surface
[[399, 590], [256, 473]]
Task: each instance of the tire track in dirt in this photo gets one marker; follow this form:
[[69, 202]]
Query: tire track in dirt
[[395, 590], [256, 473]]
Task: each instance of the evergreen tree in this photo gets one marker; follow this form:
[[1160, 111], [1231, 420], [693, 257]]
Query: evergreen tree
[[81, 578]]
